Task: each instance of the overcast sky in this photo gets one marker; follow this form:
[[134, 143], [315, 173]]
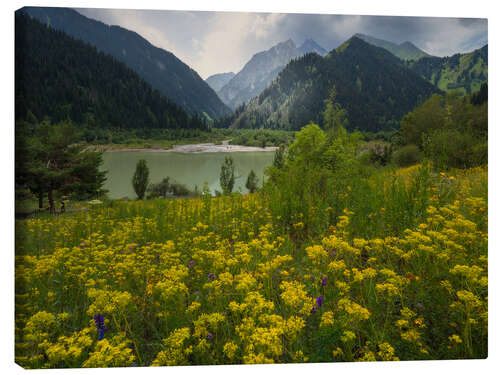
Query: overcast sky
[[218, 42]]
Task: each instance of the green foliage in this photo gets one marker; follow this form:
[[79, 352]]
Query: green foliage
[[159, 189], [279, 157], [318, 167], [260, 137], [463, 72], [227, 175], [334, 115], [252, 182], [449, 147], [378, 153], [451, 131], [180, 190], [49, 161], [407, 155], [140, 180], [481, 96], [306, 150], [427, 117]]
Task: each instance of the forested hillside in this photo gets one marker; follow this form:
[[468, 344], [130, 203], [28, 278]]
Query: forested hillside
[[374, 86], [160, 68], [405, 51], [64, 78], [261, 70], [464, 72]]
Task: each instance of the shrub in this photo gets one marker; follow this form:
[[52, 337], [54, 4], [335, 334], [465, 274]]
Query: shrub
[[451, 148], [406, 156], [160, 189]]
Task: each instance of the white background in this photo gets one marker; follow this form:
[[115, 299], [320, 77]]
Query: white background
[[443, 8]]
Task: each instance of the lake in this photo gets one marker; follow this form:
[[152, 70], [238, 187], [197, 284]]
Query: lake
[[191, 169]]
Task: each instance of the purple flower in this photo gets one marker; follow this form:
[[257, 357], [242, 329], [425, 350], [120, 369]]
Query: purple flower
[[334, 252], [319, 301], [323, 281], [210, 336], [191, 263], [211, 276], [99, 322], [313, 310], [313, 279]]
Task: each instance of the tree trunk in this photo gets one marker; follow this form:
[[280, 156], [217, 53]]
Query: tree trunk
[[51, 202], [40, 200]]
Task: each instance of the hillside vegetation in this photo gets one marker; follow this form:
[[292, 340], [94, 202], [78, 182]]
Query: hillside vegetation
[[160, 68], [405, 50], [463, 72], [66, 79], [373, 86]]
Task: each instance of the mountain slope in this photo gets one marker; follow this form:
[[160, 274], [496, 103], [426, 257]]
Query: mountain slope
[[217, 81], [162, 69], [464, 72], [261, 70], [64, 78], [405, 51], [310, 45], [374, 86]]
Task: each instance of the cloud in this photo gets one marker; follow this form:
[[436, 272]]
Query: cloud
[[215, 42]]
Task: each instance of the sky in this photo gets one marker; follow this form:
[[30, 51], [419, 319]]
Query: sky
[[218, 42]]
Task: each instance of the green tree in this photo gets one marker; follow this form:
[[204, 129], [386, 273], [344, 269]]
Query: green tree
[[429, 116], [56, 163], [252, 182], [140, 180], [306, 149], [334, 115], [227, 175], [279, 157]]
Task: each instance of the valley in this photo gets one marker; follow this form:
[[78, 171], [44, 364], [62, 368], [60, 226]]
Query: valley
[[321, 196]]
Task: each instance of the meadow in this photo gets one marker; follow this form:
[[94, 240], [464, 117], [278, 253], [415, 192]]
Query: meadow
[[394, 268]]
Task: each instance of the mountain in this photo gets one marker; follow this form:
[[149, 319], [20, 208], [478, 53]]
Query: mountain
[[217, 81], [405, 51], [464, 72], [63, 78], [310, 45], [161, 69], [375, 87], [261, 70]]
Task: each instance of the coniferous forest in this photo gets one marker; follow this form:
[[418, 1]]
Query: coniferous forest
[[62, 78]]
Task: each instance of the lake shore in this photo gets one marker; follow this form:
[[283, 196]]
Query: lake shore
[[190, 148]]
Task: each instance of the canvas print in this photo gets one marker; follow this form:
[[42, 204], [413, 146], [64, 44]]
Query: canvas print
[[207, 188]]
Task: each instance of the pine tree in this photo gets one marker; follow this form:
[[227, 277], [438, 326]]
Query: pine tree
[[252, 181], [54, 162], [140, 180], [334, 115], [227, 175]]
